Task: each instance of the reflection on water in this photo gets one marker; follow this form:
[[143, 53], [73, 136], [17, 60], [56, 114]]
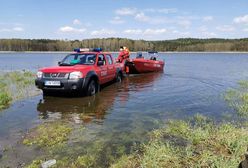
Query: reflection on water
[[87, 109], [76, 109]]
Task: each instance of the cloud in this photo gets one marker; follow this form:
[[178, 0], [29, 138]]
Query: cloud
[[134, 11], [204, 32], [77, 22], [87, 24], [185, 34], [117, 20], [225, 28], [133, 31], [146, 32], [151, 20], [184, 23], [245, 30], [154, 31], [103, 32], [241, 19], [209, 34], [162, 10], [208, 18], [18, 29], [142, 17], [203, 29], [68, 29], [175, 31], [126, 11], [14, 29], [181, 34]]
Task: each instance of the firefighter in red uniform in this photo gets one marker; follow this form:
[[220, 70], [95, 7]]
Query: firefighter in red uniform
[[123, 55]]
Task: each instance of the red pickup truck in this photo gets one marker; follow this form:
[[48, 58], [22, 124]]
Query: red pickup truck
[[83, 71]]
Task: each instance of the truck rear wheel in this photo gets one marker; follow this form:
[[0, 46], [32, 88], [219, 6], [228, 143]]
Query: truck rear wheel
[[92, 88]]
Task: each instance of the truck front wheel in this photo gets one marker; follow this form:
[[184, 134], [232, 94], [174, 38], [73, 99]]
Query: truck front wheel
[[46, 93], [92, 88], [119, 78]]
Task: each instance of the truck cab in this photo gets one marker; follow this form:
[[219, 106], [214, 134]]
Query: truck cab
[[83, 71]]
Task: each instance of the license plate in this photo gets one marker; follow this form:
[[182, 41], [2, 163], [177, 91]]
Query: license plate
[[52, 83]]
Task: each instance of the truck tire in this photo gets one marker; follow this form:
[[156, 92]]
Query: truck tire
[[92, 88], [46, 93], [118, 77]]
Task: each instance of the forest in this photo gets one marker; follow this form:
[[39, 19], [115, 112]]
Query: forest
[[113, 44]]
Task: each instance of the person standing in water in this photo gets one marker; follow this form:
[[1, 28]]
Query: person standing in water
[[124, 54]]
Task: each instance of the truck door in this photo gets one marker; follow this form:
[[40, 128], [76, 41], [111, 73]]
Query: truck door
[[102, 70], [111, 68]]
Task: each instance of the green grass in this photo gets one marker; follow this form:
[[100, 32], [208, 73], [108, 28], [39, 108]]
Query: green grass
[[48, 134], [197, 143], [35, 164], [5, 99], [238, 98], [14, 86], [81, 161]]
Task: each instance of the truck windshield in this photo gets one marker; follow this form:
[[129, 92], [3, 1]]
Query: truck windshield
[[83, 59]]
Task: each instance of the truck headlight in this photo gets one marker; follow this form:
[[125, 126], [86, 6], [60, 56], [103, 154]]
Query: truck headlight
[[39, 74], [76, 75]]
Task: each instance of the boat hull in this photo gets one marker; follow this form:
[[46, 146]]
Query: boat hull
[[137, 66]]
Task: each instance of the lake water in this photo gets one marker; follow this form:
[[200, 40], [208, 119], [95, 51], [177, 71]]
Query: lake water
[[122, 114]]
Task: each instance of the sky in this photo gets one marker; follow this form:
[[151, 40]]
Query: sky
[[135, 19]]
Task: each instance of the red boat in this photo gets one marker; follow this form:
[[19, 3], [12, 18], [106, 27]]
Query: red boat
[[142, 65]]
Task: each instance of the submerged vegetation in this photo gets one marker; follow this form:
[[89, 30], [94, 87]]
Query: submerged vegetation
[[90, 154], [81, 161], [14, 86], [48, 134], [197, 143], [238, 98], [113, 44]]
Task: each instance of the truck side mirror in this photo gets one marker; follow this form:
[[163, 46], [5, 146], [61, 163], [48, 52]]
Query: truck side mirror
[[100, 63], [59, 62]]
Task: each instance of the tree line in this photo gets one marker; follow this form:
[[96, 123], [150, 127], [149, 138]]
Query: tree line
[[113, 44]]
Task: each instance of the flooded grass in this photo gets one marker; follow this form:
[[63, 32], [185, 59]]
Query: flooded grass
[[81, 161], [5, 99], [14, 86], [5, 96], [48, 134], [238, 98], [195, 143], [35, 164], [97, 153], [198, 142]]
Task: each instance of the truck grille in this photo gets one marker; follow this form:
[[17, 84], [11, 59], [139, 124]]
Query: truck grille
[[55, 75]]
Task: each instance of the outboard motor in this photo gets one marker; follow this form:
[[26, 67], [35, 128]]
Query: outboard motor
[[139, 55]]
